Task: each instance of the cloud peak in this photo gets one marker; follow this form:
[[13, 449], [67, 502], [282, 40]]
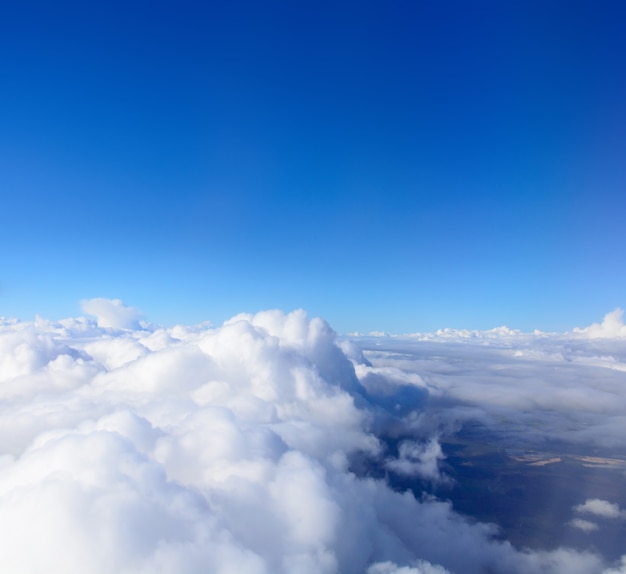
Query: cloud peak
[[111, 313]]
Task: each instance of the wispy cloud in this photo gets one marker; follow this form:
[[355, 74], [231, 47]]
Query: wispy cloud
[[584, 525]]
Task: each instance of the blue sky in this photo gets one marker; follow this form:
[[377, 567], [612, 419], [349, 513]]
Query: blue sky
[[398, 166]]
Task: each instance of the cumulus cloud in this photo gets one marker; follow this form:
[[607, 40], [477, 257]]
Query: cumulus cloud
[[612, 326], [111, 313], [237, 448], [584, 525], [417, 459], [600, 507]]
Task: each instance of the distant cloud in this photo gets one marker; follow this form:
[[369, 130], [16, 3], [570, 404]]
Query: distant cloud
[[111, 313], [611, 327], [600, 507], [419, 567], [536, 380], [584, 525]]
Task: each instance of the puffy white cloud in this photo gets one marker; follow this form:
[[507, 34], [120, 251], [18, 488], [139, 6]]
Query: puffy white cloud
[[111, 313], [418, 460], [201, 449], [600, 507], [612, 326]]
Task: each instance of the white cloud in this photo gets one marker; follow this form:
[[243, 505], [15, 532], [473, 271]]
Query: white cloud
[[619, 569], [600, 507], [201, 449], [584, 525], [419, 567], [612, 326], [557, 386], [418, 460], [111, 313]]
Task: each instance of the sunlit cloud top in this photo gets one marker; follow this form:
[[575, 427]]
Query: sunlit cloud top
[[192, 448]]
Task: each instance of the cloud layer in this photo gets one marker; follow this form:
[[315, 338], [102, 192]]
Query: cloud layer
[[136, 449]]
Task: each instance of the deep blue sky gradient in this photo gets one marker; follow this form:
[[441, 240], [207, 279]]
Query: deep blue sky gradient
[[399, 166]]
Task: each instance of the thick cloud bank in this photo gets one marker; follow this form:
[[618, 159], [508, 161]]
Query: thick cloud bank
[[569, 387], [243, 448]]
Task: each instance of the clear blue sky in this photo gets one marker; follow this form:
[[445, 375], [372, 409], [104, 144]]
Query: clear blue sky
[[400, 165]]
